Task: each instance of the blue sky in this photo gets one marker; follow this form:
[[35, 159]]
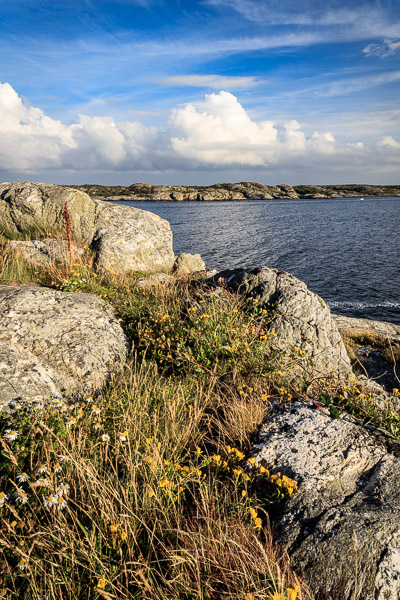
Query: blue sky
[[172, 91]]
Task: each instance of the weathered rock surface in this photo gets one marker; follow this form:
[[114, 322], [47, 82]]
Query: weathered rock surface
[[125, 238], [299, 317], [44, 252], [188, 263], [55, 343], [382, 328], [342, 531]]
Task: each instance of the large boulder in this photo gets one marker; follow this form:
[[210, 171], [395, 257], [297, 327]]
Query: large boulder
[[56, 343], [298, 317], [188, 263], [342, 531], [125, 238]]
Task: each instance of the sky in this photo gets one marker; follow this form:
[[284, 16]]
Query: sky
[[200, 92]]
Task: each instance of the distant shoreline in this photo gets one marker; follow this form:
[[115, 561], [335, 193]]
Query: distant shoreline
[[142, 192]]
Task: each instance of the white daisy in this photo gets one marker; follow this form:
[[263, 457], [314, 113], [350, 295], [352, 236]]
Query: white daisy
[[105, 437], [22, 477], [123, 436], [96, 410], [62, 489], [43, 468], [22, 564], [11, 435], [3, 498], [50, 501], [43, 482], [63, 458], [61, 503], [21, 496], [57, 468]]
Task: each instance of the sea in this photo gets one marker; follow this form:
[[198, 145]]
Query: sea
[[347, 250]]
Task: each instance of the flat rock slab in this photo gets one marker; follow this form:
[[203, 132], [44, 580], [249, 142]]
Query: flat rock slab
[[56, 343], [299, 317], [125, 238], [342, 531], [383, 328]]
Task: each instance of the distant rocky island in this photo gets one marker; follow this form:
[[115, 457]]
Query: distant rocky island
[[244, 190]]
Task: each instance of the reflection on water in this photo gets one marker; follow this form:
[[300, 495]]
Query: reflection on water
[[346, 250]]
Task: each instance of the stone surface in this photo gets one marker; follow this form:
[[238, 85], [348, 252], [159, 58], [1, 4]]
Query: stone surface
[[55, 343], [188, 263], [299, 317], [342, 531], [124, 238], [44, 252], [382, 328]]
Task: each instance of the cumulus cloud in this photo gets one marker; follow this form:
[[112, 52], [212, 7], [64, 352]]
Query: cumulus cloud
[[217, 132]]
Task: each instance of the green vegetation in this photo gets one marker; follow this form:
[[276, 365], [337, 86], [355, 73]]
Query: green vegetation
[[145, 489]]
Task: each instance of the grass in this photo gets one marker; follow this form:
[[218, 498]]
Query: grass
[[146, 490], [388, 348]]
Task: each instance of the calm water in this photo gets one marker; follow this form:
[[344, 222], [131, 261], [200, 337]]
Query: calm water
[[346, 250]]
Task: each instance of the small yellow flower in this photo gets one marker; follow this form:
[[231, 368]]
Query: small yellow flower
[[113, 528], [244, 493], [257, 523], [124, 535], [292, 592], [249, 596], [251, 460], [253, 513], [150, 493], [101, 583]]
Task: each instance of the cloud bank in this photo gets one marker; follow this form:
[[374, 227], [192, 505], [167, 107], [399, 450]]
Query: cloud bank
[[214, 133]]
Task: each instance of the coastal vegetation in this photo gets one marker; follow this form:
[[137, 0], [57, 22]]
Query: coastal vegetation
[[146, 488]]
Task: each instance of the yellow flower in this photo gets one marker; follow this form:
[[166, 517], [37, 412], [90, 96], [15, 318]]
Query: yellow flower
[[113, 528], [248, 597], [150, 493], [244, 493], [253, 513], [101, 583], [280, 373], [124, 535], [251, 460], [257, 523], [292, 592], [278, 596]]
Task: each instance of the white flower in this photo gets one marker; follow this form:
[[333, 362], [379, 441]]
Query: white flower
[[43, 482], [11, 435], [22, 564], [21, 496], [3, 498], [22, 477], [96, 410], [57, 468], [123, 436], [97, 426], [105, 437], [18, 406], [50, 501], [43, 468], [61, 503], [62, 489], [63, 458], [71, 422]]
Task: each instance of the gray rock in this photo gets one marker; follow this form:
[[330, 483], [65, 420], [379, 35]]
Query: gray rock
[[382, 328], [125, 238], [188, 263], [298, 317], [45, 251], [342, 531], [55, 343]]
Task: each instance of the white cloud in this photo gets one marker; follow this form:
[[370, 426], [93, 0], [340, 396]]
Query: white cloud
[[211, 81], [388, 48], [207, 135]]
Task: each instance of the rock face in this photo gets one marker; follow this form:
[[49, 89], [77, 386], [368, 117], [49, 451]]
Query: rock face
[[125, 238], [54, 343], [299, 317], [188, 263], [382, 328], [45, 251], [342, 531]]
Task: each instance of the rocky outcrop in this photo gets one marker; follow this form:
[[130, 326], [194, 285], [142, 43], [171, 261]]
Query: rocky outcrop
[[54, 343], [188, 263], [45, 252], [296, 315], [382, 328], [342, 531], [245, 190], [124, 238]]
